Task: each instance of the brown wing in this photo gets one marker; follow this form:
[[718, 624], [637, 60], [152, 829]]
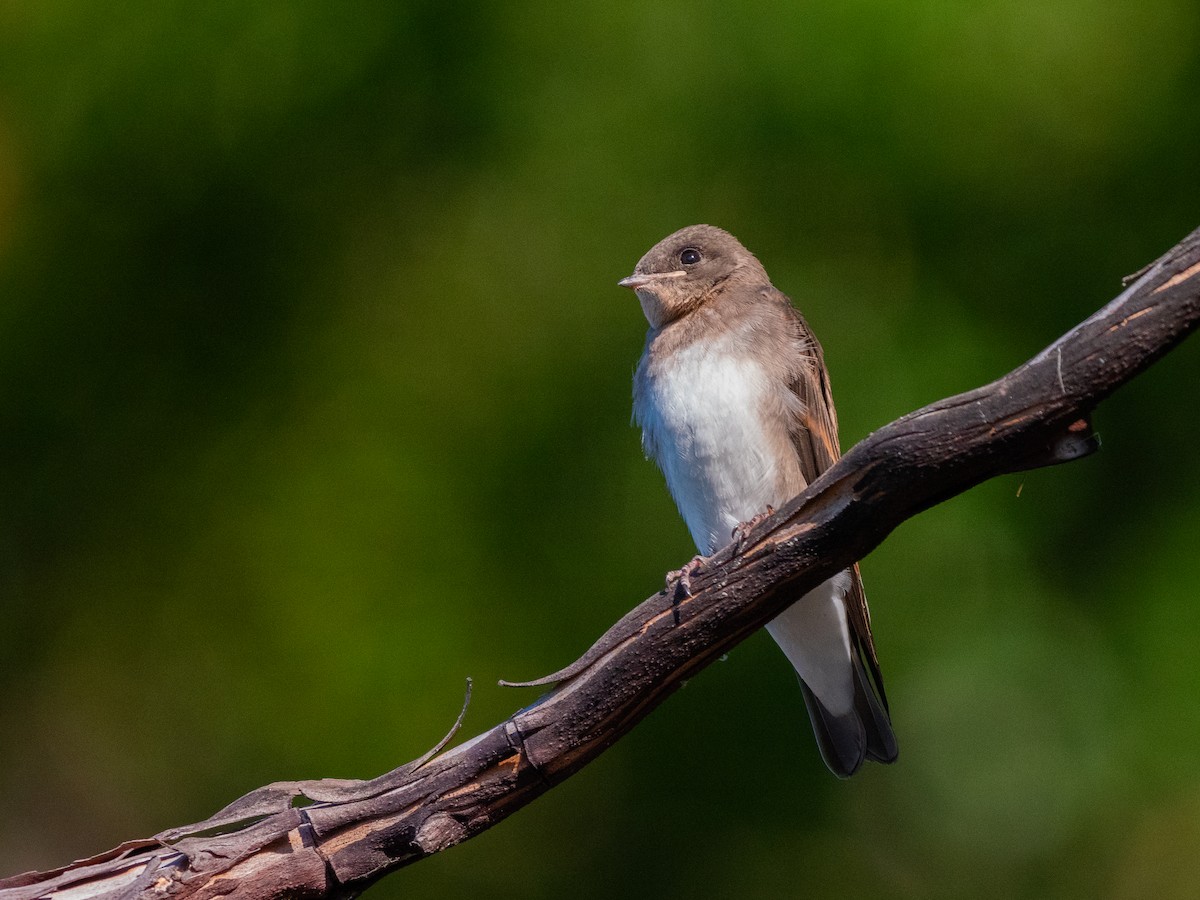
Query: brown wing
[[814, 432]]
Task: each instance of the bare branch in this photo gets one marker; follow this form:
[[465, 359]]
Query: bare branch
[[332, 838]]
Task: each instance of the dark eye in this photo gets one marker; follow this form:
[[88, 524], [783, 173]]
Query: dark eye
[[690, 256]]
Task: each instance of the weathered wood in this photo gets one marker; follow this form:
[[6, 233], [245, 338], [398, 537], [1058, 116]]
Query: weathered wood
[[333, 838]]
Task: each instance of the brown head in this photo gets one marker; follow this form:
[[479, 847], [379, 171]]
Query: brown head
[[685, 270]]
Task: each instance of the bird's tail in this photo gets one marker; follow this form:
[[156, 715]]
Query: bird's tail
[[842, 687], [863, 732]]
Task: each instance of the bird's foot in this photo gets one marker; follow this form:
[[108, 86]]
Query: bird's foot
[[681, 579], [741, 531]]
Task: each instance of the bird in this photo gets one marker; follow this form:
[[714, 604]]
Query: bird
[[732, 396]]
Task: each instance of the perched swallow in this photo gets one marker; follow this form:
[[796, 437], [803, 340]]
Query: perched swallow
[[732, 397]]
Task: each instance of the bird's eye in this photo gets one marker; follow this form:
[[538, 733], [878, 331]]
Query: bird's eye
[[690, 256]]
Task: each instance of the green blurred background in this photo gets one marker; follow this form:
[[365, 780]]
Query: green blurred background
[[314, 400]]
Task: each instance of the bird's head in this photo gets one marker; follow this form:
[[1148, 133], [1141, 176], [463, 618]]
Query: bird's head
[[682, 271]]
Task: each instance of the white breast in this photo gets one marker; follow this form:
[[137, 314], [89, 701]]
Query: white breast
[[702, 419]]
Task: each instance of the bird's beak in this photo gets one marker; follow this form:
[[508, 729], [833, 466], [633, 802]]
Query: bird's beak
[[633, 282]]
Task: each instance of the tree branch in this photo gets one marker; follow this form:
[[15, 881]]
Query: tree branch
[[332, 838]]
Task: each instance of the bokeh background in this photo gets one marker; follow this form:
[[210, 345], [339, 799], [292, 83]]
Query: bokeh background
[[314, 401]]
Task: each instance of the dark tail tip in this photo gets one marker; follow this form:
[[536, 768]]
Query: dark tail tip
[[865, 732]]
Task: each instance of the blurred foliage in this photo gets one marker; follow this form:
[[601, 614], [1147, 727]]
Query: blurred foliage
[[314, 400]]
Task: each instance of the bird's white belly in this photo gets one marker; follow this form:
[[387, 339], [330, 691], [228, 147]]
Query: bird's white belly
[[705, 419], [705, 423]]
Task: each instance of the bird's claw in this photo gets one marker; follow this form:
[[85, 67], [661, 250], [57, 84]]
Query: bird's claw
[[742, 530], [681, 579]]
